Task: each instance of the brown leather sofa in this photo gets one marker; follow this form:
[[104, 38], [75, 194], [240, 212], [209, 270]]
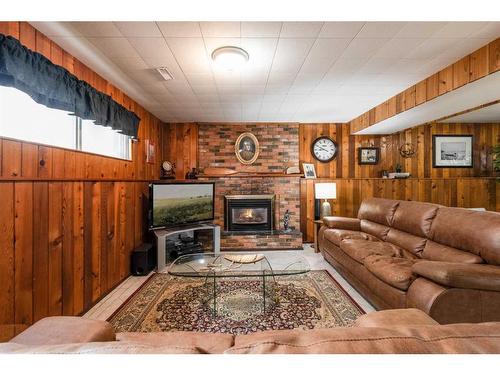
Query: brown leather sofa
[[390, 331], [399, 254]]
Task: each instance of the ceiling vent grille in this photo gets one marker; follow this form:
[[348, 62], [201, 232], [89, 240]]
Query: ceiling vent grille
[[167, 76]]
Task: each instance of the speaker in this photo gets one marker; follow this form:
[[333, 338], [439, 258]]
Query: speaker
[[143, 260]]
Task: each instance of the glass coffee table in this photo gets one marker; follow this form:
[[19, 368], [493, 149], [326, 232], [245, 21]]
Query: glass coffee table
[[216, 269]]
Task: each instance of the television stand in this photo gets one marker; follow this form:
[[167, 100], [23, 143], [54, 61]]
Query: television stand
[[162, 234]]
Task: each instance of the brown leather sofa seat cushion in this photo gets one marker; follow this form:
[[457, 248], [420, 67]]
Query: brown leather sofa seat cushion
[[199, 342], [457, 275], [472, 231], [396, 317], [335, 236], [442, 253], [415, 217], [360, 249], [378, 210], [63, 329], [394, 271]]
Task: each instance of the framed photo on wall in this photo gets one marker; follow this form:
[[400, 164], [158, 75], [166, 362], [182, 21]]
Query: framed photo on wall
[[247, 148], [309, 171], [368, 155], [452, 151]]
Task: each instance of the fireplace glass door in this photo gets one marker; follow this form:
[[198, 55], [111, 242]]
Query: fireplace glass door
[[247, 216]]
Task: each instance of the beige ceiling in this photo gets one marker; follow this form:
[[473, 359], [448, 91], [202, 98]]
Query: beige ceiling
[[298, 71], [489, 114]]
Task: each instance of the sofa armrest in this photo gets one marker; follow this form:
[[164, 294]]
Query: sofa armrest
[[65, 330], [396, 317], [460, 275], [339, 222]]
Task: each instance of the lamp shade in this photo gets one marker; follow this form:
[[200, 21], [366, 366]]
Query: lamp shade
[[325, 190]]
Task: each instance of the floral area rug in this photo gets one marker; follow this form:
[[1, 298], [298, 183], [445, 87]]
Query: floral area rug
[[167, 303]]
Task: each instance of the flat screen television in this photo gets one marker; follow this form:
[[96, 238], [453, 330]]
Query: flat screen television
[[175, 204]]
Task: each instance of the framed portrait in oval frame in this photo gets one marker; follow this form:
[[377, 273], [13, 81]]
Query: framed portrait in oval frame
[[247, 148]]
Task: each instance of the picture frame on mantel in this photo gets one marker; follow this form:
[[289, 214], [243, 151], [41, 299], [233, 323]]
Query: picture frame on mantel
[[309, 170], [452, 151]]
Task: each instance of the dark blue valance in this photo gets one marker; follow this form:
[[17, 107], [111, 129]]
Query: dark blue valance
[[55, 87]]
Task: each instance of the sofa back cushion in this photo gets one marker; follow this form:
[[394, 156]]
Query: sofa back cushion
[[378, 210], [378, 230], [441, 253], [473, 231], [413, 244], [415, 217]]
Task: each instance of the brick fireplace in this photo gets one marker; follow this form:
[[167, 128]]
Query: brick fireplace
[[279, 149]]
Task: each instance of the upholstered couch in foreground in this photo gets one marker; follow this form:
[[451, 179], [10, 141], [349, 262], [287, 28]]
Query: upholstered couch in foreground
[[390, 331], [444, 261]]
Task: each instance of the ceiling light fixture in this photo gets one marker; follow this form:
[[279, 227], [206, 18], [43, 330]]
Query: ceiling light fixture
[[230, 57]]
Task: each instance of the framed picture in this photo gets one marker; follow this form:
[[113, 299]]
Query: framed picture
[[247, 148], [452, 151], [368, 155], [309, 171], [150, 152]]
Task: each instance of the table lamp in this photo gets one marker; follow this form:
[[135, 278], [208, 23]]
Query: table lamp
[[325, 190]]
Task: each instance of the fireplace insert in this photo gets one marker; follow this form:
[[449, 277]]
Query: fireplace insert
[[249, 213]]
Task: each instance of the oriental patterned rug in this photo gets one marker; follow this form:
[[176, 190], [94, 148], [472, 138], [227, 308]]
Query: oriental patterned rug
[[167, 303]]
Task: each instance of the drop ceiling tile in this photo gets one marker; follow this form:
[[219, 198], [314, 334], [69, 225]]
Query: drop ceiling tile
[[431, 48], [372, 30], [340, 29], [260, 29], [130, 63], [220, 29], [138, 29], [204, 89], [300, 29], [114, 47], [97, 29], [290, 54], [420, 29], [398, 48], [364, 48], [200, 79], [190, 53], [491, 31], [261, 52], [180, 29], [281, 79], [277, 89], [459, 29], [377, 65]]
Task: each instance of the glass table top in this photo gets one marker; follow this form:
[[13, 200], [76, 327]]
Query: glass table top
[[238, 265]]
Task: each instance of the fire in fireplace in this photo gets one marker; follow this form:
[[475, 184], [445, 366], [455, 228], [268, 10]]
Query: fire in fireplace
[[249, 213]]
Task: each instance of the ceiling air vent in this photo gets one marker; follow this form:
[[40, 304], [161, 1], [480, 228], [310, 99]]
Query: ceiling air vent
[[167, 76]]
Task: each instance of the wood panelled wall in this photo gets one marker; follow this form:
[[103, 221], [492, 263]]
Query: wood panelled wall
[[179, 144], [68, 224], [461, 187], [476, 65], [346, 163]]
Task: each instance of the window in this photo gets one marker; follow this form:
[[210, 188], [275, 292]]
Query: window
[[24, 119]]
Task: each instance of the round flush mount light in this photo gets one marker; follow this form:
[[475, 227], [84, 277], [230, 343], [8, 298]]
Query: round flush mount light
[[230, 57]]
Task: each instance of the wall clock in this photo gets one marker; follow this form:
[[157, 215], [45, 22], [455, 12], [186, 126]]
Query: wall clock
[[324, 149]]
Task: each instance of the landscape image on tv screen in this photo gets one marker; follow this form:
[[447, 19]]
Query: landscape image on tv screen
[[183, 203]]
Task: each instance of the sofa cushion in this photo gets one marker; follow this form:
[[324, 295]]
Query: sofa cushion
[[442, 253], [415, 217], [335, 236], [378, 230], [378, 210], [473, 231], [65, 329], [395, 317], [413, 244], [394, 271], [200, 342], [360, 249]]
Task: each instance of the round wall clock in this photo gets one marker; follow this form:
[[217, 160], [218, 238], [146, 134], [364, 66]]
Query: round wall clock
[[324, 149]]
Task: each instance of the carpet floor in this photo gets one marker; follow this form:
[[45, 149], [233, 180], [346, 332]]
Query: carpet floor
[[167, 303]]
